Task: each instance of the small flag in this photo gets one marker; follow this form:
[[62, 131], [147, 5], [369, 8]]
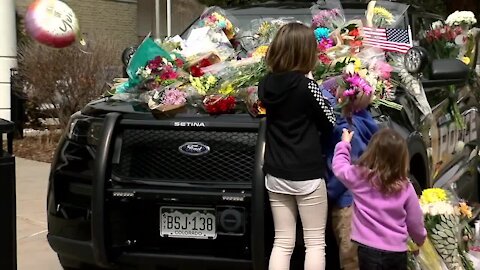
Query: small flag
[[388, 39]]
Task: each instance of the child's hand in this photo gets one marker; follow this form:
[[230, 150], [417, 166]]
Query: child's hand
[[347, 135]]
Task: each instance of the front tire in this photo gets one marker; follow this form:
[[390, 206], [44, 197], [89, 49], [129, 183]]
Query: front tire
[[416, 184]]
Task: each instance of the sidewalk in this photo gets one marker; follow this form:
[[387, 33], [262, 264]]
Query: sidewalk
[[32, 247]]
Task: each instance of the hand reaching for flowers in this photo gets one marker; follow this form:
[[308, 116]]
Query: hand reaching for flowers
[[347, 135]]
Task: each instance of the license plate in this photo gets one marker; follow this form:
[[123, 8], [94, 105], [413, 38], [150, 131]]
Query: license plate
[[188, 222]]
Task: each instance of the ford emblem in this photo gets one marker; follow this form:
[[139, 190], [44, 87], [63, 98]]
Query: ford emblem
[[194, 149]]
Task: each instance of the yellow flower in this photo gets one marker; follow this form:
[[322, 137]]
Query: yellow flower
[[433, 195], [465, 210], [466, 60], [264, 28], [384, 13], [211, 80], [260, 51], [357, 63], [226, 90]]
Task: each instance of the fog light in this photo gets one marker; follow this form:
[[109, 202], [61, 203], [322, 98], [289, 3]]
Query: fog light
[[416, 59]]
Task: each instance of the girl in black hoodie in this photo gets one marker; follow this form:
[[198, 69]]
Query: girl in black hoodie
[[297, 113]]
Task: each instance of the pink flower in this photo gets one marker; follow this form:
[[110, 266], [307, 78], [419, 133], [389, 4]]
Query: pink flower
[[324, 59], [383, 69], [174, 97], [349, 93], [325, 43], [358, 83], [325, 18]]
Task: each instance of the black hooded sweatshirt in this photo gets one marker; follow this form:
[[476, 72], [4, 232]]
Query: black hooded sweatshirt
[[297, 113]]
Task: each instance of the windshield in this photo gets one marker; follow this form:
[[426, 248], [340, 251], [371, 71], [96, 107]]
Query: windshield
[[298, 11]]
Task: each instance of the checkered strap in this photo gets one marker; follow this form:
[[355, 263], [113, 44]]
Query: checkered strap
[[322, 101]]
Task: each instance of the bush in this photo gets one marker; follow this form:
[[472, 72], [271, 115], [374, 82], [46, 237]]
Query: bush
[[59, 82]]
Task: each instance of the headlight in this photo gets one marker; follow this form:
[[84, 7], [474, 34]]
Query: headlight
[[84, 130], [416, 59]]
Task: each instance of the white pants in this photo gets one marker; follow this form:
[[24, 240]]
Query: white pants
[[313, 212]]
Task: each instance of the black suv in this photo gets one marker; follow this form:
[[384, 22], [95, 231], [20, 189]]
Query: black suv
[[132, 188]]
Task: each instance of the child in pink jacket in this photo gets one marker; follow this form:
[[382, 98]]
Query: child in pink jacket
[[386, 207]]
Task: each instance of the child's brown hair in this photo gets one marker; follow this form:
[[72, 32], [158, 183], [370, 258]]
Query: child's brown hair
[[294, 48], [388, 160]]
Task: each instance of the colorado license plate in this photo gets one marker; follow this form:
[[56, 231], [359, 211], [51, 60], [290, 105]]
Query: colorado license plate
[[188, 222]]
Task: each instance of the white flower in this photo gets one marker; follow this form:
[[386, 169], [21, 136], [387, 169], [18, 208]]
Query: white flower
[[437, 24], [350, 68], [461, 17], [438, 208]]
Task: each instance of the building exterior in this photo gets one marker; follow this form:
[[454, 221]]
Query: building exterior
[[127, 21]]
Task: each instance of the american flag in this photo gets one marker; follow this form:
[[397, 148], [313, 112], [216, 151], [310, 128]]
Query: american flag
[[388, 39]]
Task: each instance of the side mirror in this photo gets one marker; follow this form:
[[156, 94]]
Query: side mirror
[[444, 72], [127, 55], [448, 69]]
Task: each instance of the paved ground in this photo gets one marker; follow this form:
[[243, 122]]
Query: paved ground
[[32, 247]]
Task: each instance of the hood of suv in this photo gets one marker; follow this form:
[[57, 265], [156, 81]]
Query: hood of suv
[[133, 110]]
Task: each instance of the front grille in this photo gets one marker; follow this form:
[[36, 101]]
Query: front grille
[[154, 155]]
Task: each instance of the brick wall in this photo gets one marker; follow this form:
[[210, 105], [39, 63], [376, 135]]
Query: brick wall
[[116, 19]]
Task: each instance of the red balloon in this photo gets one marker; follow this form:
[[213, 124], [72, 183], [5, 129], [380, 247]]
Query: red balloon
[[51, 22]]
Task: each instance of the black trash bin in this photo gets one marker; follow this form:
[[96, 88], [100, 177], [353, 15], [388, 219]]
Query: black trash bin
[[8, 224]]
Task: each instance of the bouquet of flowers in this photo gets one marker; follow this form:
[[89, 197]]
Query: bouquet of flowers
[[444, 40], [218, 104], [239, 74], [204, 84], [427, 258], [160, 72], [216, 17], [442, 221], [166, 98], [382, 17], [205, 41], [385, 14], [262, 33], [354, 93], [254, 105], [461, 18], [328, 14]]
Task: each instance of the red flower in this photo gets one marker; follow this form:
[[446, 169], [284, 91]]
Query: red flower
[[196, 71], [219, 104], [356, 43], [324, 59], [155, 63], [179, 63], [168, 75], [204, 63], [354, 32]]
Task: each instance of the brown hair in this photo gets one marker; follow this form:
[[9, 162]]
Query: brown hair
[[387, 158], [294, 48]]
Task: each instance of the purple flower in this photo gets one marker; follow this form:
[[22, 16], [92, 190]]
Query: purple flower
[[357, 82]]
